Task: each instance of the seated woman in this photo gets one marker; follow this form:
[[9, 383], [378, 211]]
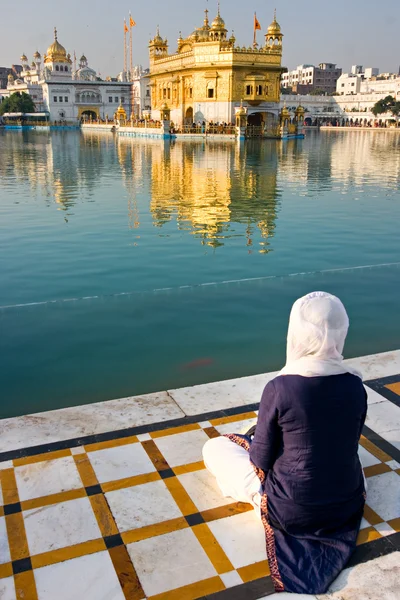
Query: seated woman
[[301, 469]]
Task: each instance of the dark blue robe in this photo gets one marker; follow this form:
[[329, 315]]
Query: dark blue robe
[[305, 449]]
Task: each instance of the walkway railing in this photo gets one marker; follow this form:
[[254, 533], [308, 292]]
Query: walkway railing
[[206, 129]]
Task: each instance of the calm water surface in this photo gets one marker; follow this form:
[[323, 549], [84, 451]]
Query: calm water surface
[[106, 242]]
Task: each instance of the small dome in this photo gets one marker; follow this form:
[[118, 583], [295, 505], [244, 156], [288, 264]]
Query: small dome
[[83, 58], [218, 23], [37, 55], [299, 110], [10, 78], [24, 58], [56, 52], [274, 28], [200, 35], [285, 112], [33, 64]]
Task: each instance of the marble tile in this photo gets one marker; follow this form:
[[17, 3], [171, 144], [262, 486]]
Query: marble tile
[[364, 523], [393, 464], [367, 459], [236, 427], [203, 489], [375, 366], [4, 548], [221, 394], [375, 580], [143, 437], [385, 529], [182, 448], [78, 450], [373, 396], [170, 561], [7, 589], [78, 421], [384, 418], [384, 494], [142, 505], [120, 462], [242, 537], [6, 464], [231, 579], [48, 477], [90, 577], [205, 424], [59, 525]]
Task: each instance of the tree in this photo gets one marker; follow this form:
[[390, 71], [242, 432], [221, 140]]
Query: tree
[[17, 102], [317, 92], [388, 104]]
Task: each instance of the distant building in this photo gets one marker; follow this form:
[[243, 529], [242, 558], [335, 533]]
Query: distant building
[[367, 81], [14, 70], [67, 93], [141, 91], [308, 78]]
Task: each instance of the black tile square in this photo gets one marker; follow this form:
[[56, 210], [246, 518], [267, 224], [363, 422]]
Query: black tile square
[[195, 519], [166, 473], [93, 490], [11, 509], [112, 541], [22, 565]]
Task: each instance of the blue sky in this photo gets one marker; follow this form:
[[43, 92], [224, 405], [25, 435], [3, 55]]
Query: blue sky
[[346, 32]]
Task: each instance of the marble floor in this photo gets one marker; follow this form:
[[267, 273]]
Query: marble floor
[[131, 513]]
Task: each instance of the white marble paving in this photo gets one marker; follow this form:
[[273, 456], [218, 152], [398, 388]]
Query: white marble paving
[[120, 462], [7, 589], [47, 477], [385, 529], [182, 448], [384, 418], [4, 548], [170, 561], [221, 394], [375, 366], [142, 505], [90, 577], [237, 426], [59, 525], [373, 396], [375, 580], [242, 537], [231, 579], [383, 495], [78, 421], [6, 464], [203, 489]]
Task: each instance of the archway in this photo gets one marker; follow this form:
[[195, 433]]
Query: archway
[[255, 119], [189, 116], [88, 114]]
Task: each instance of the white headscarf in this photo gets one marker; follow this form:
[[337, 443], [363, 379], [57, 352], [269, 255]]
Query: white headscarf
[[317, 331]]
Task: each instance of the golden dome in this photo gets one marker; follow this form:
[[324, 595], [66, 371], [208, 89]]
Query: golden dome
[[37, 55], [24, 58], [218, 23], [120, 114], [274, 28], [299, 110], [285, 113], [56, 52]]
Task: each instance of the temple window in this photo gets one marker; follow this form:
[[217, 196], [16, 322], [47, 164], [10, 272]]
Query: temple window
[[249, 90], [65, 68], [190, 92], [57, 68], [164, 93], [55, 98], [122, 99], [116, 98], [60, 98], [110, 98], [210, 93], [259, 90], [169, 94], [266, 90], [66, 99]]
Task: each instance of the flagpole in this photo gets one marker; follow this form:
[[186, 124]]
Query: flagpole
[[255, 32], [124, 46], [130, 46]]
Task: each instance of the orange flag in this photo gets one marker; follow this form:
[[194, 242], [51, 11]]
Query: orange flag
[[126, 27], [256, 23], [131, 21]]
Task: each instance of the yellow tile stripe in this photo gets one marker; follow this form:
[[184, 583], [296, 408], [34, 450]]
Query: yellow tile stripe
[[6, 570], [254, 571], [376, 470], [377, 452], [211, 547], [126, 573], [371, 516], [143, 533], [53, 499], [193, 591], [228, 510], [233, 418], [174, 430], [86, 470], [394, 387], [25, 586], [111, 444], [62, 554], [29, 460], [395, 524], [181, 496], [190, 468], [103, 515], [120, 484], [367, 535]]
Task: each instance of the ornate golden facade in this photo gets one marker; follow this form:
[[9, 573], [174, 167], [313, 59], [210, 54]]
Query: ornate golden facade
[[209, 75]]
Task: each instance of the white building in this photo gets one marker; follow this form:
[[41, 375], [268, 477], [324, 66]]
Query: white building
[[67, 94], [141, 91], [308, 77]]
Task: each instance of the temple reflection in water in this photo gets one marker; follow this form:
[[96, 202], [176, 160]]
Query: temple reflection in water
[[214, 191]]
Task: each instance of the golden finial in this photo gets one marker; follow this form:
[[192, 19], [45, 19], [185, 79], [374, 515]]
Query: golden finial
[[55, 33], [218, 8], [206, 22], [274, 14]]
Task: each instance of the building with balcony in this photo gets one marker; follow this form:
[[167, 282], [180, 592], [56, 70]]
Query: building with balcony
[[66, 91], [209, 75]]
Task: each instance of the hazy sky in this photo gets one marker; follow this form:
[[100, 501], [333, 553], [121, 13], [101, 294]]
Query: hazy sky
[[343, 31]]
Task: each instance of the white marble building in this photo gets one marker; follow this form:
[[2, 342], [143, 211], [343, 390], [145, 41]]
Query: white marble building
[[69, 94]]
